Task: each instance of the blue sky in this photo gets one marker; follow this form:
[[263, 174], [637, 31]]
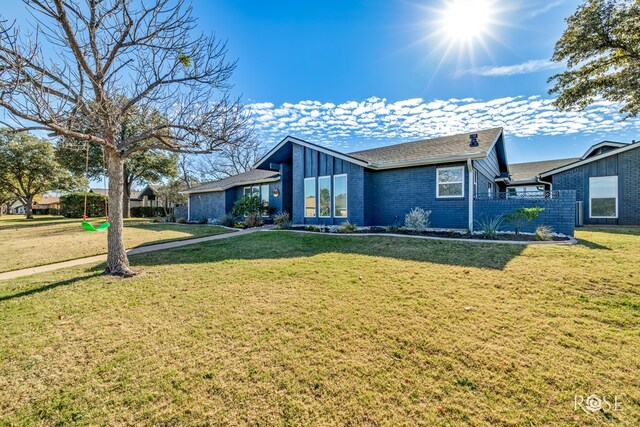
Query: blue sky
[[357, 74]]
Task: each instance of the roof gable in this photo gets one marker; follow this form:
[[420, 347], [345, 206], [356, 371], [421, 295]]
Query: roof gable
[[614, 152], [601, 148]]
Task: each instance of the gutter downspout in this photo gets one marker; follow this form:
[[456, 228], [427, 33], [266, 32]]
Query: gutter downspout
[[470, 193], [539, 180]]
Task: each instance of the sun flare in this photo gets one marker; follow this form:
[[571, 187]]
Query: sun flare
[[467, 20]]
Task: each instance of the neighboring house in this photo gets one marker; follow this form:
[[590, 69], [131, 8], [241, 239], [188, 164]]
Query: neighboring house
[[134, 199], [46, 204], [606, 180], [318, 185], [17, 208], [150, 196]]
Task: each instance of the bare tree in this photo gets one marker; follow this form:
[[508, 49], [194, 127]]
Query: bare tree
[[230, 160], [86, 56]]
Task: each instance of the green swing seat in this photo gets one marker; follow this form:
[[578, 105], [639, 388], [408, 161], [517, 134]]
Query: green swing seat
[[89, 227]]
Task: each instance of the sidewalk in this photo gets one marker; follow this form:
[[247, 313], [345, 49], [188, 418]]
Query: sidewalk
[[101, 258]]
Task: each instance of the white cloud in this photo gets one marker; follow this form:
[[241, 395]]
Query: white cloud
[[544, 9], [531, 66], [391, 122]]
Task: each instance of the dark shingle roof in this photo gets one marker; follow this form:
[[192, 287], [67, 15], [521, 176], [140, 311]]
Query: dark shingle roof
[[431, 149], [135, 195], [254, 176], [528, 171]]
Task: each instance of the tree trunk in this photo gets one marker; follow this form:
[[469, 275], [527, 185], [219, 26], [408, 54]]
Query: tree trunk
[[126, 196], [28, 207], [117, 260]]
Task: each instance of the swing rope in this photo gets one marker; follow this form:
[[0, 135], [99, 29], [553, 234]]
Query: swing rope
[[86, 224]]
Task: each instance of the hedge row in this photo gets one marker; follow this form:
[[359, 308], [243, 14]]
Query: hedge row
[[146, 212], [72, 205]]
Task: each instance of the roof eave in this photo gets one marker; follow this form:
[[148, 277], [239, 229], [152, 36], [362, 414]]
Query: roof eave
[[589, 160], [226, 187], [424, 162]]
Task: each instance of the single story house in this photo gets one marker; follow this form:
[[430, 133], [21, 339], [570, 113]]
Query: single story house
[[606, 180], [458, 178], [46, 205]]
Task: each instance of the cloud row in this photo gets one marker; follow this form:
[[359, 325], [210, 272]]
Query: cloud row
[[359, 124], [531, 66]]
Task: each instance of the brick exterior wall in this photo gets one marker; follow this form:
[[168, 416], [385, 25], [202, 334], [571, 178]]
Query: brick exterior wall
[[207, 205], [397, 191], [626, 166], [559, 213]]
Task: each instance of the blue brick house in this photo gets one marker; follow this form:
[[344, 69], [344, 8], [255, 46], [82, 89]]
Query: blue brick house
[[459, 178], [606, 181]]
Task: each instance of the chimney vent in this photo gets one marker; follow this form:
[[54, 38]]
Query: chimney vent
[[474, 140]]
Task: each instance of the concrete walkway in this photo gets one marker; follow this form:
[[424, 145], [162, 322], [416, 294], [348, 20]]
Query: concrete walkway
[[101, 258]]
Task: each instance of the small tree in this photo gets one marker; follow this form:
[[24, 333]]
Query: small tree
[[247, 205], [169, 194], [601, 46], [28, 167], [521, 217]]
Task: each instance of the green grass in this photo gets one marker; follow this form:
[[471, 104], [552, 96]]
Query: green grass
[[281, 328], [49, 239]]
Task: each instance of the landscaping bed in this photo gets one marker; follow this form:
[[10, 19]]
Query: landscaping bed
[[431, 232]]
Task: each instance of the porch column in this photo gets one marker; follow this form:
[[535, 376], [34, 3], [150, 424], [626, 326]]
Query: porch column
[[470, 193]]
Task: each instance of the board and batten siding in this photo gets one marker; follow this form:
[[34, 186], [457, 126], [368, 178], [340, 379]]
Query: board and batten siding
[[626, 166], [307, 163]]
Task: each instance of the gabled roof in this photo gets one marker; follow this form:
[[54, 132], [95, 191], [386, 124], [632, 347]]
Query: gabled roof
[[48, 200], [253, 176], [602, 144], [527, 172], [434, 150], [427, 151], [614, 152]]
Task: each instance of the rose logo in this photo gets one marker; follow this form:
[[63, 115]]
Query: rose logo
[[593, 403]]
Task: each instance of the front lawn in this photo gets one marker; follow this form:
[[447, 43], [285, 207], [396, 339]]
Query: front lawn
[[279, 328], [49, 239]]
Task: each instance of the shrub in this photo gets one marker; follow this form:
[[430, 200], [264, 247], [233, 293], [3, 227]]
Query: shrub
[[281, 217], [521, 217], [417, 219], [393, 229], [253, 220], [347, 227], [313, 228], [72, 205], [489, 227], [146, 211], [247, 205], [228, 220], [203, 221], [543, 232]]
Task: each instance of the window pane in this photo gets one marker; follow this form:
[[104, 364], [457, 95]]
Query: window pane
[[603, 193], [264, 189], [310, 197], [255, 191], [247, 191], [340, 196], [450, 190], [450, 175], [324, 185]]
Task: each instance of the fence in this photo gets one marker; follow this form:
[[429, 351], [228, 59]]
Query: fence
[[559, 208]]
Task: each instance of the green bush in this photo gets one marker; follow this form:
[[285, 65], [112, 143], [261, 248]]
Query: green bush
[[489, 226], [521, 217], [543, 232], [247, 205], [228, 220], [146, 212], [72, 205], [281, 218]]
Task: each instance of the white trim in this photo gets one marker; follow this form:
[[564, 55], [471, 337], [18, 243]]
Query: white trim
[[312, 146], [602, 144], [346, 199], [591, 197], [304, 197], [592, 159], [438, 196], [470, 213], [330, 196]]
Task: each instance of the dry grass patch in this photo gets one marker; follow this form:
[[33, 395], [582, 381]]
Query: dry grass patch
[[47, 239], [289, 329]]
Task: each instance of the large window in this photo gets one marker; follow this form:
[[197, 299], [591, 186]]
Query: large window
[[450, 182], [340, 196], [324, 188], [261, 191], [603, 196], [310, 197]]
